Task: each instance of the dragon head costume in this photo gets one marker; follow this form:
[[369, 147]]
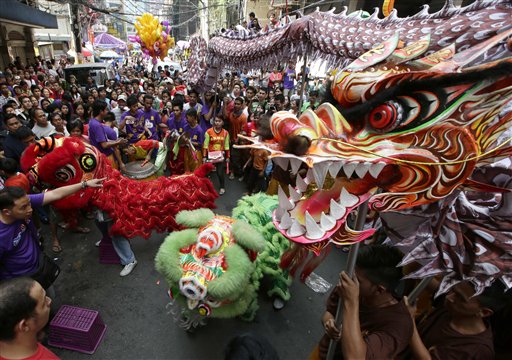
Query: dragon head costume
[[418, 119], [137, 207]]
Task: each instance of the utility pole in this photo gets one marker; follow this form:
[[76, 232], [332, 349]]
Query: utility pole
[[204, 18], [75, 27]]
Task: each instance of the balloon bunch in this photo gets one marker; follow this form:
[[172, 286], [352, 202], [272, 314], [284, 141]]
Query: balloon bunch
[[154, 37]]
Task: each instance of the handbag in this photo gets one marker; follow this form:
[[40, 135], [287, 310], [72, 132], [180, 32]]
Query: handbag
[[47, 271], [215, 156]]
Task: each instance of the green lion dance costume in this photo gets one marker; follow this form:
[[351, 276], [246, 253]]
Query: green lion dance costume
[[214, 266]]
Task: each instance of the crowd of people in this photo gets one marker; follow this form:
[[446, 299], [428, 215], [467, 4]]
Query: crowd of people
[[139, 110]]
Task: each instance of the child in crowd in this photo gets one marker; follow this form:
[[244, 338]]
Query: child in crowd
[[195, 135], [76, 129], [216, 149]]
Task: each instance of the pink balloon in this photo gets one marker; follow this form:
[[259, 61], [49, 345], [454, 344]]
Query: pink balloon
[[165, 23], [154, 61]]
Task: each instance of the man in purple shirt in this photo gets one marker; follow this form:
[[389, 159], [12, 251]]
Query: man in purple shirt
[[132, 122], [177, 120], [19, 242], [151, 117], [103, 137], [289, 80]]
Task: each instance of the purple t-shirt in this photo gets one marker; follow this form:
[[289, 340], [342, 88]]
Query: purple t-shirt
[[152, 119], [180, 125], [135, 130], [205, 124], [99, 133], [196, 135], [288, 80], [19, 248]]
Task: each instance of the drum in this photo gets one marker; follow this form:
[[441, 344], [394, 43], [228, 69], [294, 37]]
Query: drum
[[135, 171]]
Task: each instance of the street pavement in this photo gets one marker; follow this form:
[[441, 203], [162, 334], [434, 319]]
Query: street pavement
[[139, 326]]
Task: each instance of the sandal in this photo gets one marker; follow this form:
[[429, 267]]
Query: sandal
[[222, 191], [63, 225], [56, 248], [82, 230]]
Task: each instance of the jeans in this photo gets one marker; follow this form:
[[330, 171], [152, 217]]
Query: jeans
[[121, 244]]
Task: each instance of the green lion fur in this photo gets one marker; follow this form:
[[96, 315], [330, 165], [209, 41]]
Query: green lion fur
[[240, 283]]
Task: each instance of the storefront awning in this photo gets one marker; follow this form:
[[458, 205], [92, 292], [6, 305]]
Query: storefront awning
[[15, 12]]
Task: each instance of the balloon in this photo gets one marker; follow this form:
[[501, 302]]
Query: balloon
[[153, 36], [165, 23]]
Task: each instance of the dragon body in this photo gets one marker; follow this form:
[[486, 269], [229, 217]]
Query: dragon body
[[341, 38]]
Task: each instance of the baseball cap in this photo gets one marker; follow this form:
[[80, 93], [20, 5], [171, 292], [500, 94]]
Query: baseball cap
[[122, 97]]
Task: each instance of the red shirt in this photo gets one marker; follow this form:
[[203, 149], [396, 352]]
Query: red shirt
[[42, 353]]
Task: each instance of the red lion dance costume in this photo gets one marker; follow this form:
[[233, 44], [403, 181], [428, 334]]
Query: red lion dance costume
[[137, 207]]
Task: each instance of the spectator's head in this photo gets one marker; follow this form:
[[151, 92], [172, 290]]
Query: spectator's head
[[250, 92], [252, 15], [262, 95], [14, 205], [192, 117], [99, 108], [25, 135], [193, 97], [36, 91], [4, 89], [53, 107], [150, 89], [313, 96], [57, 121], [377, 271], [25, 102], [239, 104], [75, 128], [44, 104], [39, 117], [177, 108], [8, 167], [279, 102], [24, 306], [133, 103], [218, 122], [11, 122], [148, 102], [109, 118], [249, 347]]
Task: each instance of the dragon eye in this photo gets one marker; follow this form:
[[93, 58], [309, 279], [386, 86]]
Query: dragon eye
[[65, 173], [385, 117]]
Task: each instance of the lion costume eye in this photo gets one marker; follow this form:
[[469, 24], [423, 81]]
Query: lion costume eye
[[386, 117], [65, 173]]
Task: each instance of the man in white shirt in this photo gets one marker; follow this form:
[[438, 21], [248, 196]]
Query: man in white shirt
[[42, 127]]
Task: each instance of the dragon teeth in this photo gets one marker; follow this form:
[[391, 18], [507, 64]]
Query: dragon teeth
[[349, 168], [294, 194], [281, 162], [320, 172], [301, 184], [279, 213], [337, 211], [347, 199], [295, 164], [296, 229], [326, 222], [284, 202], [335, 167], [362, 169], [286, 221], [313, 231], [375, 169], [310, 176]]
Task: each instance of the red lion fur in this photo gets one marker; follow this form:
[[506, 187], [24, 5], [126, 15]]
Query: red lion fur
[[136, 207]]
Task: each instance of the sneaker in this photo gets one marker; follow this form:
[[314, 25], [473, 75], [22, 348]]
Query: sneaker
[[231, 176], [222, 191], [241, 178], [97, 243], [128, 268]]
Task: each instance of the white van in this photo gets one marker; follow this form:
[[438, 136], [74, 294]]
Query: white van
[[98, 71]]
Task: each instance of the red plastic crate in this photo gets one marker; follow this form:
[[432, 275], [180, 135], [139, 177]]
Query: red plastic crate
[[108, 254], [78, 329]]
